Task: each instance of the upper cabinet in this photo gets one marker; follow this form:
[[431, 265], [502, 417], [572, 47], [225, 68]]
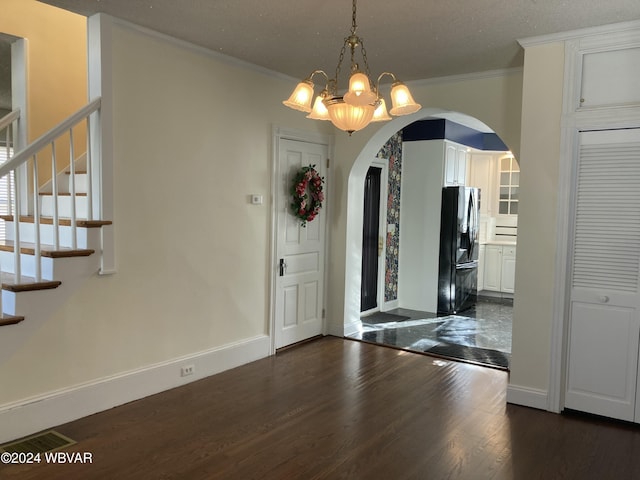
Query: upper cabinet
[[602, 73], [497, 175], [610, 78], [456, 161], [509, 181]]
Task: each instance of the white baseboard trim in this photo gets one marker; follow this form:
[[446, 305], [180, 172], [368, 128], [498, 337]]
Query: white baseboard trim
[[390, 305], [31, 415], [352, 328], [527, 397]]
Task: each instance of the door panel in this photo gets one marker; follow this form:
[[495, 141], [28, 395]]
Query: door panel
[[603, 367], [370, 239], [604, 327], [299, 292]]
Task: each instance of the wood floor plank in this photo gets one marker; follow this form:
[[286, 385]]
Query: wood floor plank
[[341, 409]]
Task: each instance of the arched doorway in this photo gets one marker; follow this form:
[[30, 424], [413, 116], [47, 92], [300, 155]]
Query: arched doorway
[[356, 207]]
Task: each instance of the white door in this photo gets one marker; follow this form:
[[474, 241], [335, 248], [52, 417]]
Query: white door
[[299, 295], [604, 325]]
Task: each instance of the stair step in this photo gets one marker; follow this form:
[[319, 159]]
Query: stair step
[[46, 250], [65, 222], [31, 286], [9, 320]]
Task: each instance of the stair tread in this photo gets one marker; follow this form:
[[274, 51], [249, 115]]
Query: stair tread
[[26, 283], [9, 319], [65, 222], [45, 250]]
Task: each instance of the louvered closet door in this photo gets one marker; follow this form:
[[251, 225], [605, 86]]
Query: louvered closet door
[[604, 324]]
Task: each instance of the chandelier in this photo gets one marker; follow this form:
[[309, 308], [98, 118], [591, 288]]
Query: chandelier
[[362, 103]]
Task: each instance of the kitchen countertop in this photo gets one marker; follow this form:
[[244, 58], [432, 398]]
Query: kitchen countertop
[[508, 243]]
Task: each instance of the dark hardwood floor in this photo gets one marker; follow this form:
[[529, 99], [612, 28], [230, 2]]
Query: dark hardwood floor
[[341, 409]]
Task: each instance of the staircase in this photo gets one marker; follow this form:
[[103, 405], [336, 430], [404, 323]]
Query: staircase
[[56, 244]]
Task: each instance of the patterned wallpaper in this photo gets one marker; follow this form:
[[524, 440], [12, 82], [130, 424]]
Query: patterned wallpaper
[[392, 150]]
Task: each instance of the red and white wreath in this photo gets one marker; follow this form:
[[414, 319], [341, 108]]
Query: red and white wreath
[[307, 194]]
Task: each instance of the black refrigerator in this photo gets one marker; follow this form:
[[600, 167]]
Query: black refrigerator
[[458, 268]]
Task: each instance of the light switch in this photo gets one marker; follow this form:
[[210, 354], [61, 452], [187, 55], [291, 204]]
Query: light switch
[[256, 199]]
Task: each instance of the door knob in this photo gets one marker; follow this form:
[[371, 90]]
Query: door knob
[[603, 299]]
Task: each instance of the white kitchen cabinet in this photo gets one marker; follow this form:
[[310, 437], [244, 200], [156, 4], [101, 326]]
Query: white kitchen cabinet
[[610, 78], [499, 268], [481, 253], [455, 164], [508, 270], [492, 267], [482, 175]]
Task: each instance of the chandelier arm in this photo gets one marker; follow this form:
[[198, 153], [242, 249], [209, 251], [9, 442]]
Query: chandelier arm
[[380, 78], [315, 72]]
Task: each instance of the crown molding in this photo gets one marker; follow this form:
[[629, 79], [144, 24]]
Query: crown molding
[[583, 32], [464, 77]]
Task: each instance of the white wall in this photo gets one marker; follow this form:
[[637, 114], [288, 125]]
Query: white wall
[[192, 139], [537, 217]]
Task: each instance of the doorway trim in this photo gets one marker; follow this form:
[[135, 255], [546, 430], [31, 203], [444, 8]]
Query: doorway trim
[[572, 123], [277, 134], [383, 165], [355, 194]]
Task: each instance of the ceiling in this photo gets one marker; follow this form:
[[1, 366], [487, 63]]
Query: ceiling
[[414, 39]]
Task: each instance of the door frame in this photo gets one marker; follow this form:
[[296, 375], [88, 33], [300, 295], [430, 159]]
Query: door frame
[[383, 164], [572, 123], [280, 133]]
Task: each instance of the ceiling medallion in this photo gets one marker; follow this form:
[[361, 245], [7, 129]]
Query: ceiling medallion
[[362, 103]]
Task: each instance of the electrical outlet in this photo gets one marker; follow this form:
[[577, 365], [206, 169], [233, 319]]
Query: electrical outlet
[[187, 370]]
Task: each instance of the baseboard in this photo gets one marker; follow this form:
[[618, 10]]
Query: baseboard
[[351, 328], [390, 305], [34, 414], [527, 397]]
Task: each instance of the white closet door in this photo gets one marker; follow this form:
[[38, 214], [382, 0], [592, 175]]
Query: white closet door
[[604, 323]]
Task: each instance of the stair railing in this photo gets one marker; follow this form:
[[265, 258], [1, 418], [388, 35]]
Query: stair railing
[[32, 155]]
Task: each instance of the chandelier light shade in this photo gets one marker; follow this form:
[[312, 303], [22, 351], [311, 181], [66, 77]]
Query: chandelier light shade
[[319, 111], [402, 101], [360, 93], [381, 114], [349, 118], [362, 103], [301, 97]]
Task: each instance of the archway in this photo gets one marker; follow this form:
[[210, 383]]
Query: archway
[[355, 194]]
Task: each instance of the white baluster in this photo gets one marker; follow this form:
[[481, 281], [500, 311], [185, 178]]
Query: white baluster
[[17, 264], [54, 197], [89, 181], [36, 219], [72, 191]]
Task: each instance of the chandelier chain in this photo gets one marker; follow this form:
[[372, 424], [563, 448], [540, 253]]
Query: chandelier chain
[[364, 59], [354, 26], [340, 59]]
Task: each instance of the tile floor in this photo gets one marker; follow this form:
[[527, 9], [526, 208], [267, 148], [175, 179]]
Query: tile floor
[[478, 334]]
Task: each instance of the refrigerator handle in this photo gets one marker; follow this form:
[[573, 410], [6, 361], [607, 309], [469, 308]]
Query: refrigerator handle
[[472, 224]]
